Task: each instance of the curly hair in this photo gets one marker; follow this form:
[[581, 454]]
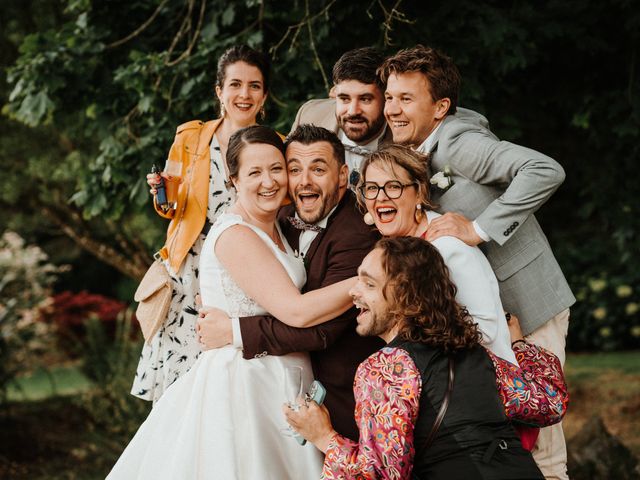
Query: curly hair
[[422, 296]]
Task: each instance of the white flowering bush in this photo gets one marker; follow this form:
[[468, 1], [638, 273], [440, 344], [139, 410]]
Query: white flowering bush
[[26, 277], [606, 315]]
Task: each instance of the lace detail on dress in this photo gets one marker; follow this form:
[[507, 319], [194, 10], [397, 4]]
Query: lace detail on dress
[[218, 289], [240, 305]]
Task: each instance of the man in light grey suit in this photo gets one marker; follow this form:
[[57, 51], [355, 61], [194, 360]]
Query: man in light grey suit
[[490, 189], [356, 112]]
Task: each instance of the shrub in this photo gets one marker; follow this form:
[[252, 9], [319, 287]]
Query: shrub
[[25, 282], [68, 312], [606, 315], [110, 362]]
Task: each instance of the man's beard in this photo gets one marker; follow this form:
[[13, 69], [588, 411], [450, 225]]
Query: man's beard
[[365, 134], [329, 202], [380, 324]]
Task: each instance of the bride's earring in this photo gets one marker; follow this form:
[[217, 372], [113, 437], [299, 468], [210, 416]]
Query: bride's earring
[[222, 111], [368, 219]]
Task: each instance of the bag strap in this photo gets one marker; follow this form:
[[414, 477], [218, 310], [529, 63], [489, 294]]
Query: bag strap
[[441, 413]]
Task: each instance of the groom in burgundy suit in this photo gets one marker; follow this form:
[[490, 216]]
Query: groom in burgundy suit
[[326, 228]]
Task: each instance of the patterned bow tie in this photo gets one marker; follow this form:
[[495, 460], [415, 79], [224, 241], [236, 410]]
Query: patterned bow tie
[[300, 225], [357, 150]]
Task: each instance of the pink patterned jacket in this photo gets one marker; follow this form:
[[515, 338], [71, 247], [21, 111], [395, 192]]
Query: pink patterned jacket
[[387, 390]]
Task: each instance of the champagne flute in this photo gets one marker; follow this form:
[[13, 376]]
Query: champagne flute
[[293, 385]]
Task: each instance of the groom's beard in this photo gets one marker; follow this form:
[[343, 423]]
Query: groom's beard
[[320, 211]]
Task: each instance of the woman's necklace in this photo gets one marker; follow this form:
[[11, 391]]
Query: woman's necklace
[[275, 236]]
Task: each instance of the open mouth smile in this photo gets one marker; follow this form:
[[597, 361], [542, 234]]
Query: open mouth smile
[[307, 199], [363, 310], [386, 214], [269, 194]]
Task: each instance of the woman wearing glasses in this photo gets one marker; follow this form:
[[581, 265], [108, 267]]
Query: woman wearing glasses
[[394, 188]]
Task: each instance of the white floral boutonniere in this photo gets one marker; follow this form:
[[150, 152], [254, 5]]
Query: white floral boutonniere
[[443, 179]]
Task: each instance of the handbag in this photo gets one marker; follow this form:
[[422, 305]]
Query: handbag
[[154, 297], [441, 413]]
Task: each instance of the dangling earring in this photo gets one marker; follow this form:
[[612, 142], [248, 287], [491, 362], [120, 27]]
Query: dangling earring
[[262, 113], [368, 219], [418, 213], [222, 110]]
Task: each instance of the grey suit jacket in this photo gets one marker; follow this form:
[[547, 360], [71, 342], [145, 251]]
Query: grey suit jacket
[[501, 185], [322, 113]]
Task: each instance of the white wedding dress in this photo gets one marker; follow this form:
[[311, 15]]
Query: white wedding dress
[[222, 419]]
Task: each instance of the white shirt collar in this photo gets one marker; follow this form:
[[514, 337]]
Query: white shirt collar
[[427, 145]]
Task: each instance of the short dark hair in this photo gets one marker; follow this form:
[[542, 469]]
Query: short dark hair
[[247, 136], [243, 53], [360, 64], [442, 73], [422, 296], [307, 134]]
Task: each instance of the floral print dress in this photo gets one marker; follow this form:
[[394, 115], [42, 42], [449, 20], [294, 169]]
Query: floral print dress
[[175, 348]]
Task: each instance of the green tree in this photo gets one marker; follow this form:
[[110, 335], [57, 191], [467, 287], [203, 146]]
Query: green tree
[[95, 90]]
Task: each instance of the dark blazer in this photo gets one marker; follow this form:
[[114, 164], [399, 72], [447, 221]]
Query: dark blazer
[[335, 348]]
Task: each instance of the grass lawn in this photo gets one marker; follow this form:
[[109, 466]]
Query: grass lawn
[[608, 385], [49, 434], [41, 384]]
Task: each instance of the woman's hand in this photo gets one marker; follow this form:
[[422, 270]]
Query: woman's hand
[[153, 179], [515, 332], [312, 421], [214, 328]]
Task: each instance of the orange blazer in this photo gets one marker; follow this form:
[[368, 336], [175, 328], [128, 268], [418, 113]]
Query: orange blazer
[[191, 147]]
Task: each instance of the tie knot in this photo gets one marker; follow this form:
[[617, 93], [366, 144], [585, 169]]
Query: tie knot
[[301, 225]]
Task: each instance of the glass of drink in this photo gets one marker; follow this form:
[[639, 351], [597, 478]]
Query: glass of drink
[[173, 177], [293, 385]]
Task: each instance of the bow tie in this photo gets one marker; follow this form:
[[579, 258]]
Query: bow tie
[[357, 150], [300, 225]]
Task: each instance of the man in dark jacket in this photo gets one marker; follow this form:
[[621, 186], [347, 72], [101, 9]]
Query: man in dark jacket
[[325, 227]]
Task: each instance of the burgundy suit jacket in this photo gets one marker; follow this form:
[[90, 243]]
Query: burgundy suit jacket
[[335, 348]]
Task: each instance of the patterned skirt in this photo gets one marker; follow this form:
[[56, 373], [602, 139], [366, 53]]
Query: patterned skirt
[[175, 348]]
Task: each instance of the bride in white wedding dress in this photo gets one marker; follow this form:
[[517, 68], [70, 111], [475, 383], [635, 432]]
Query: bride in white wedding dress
[[222, 419]]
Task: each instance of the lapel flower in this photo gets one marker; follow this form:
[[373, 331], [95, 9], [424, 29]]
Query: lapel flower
[[443, 179]]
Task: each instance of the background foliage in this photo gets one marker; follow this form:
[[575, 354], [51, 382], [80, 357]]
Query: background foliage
[[93, 92]]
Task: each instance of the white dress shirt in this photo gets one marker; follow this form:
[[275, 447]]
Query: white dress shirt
[[353, 159]]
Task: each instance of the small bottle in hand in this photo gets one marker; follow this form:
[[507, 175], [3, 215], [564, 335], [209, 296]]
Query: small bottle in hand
[[161, 192]]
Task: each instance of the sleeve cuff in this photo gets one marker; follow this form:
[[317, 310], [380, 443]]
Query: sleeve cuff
[[237, 334], [481, 233]]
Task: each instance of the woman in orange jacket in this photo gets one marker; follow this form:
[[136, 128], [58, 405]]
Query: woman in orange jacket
[[242, 84]]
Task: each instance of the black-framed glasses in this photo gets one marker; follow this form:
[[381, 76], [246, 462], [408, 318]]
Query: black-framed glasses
[[393, 189]]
